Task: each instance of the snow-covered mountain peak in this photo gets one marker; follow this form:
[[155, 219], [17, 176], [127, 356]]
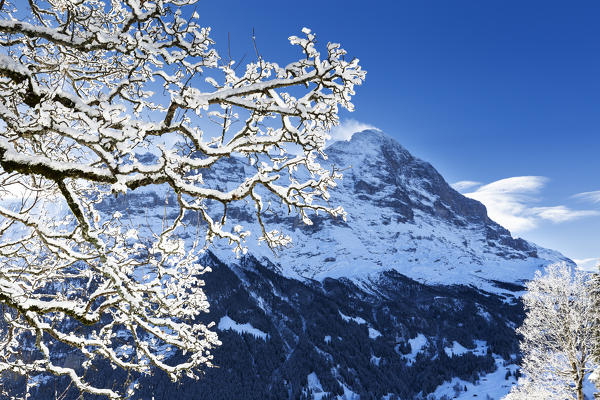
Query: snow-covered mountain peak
[[383, 171], [402, 215], [345, 338], [368, 142]]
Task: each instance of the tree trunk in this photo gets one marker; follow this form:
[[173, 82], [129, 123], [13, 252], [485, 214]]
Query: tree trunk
[[579, 389]]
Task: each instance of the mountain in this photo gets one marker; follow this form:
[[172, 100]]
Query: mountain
[[416, 295], [402, 215]]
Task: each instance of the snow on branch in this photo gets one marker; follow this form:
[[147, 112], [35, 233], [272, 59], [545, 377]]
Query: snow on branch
[[91, 92]]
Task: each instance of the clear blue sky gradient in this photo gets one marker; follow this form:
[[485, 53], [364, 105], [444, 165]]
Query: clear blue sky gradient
[[483, 90]]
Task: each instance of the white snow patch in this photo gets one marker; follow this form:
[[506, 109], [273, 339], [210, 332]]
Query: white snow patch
[[481, 348], [358, 320], [327, 339], [227, 323], [493, 385], [260, 302], [457, 349], [348, 394], [481, 311], [324, 354], [417, 344], [314, 384], [375, 360], [374, 333]]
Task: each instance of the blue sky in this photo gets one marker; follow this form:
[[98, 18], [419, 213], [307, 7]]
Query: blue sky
[[486, 91]]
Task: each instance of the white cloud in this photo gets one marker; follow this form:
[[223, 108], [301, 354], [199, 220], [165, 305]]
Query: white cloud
[[594, 197], [347, 127], [464, 185], [559, 214], [588, 264], [521, 185], [510, 203], [506, 200]]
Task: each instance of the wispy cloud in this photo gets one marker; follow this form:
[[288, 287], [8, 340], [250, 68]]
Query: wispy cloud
[[559, 214], [347, 127], [506, 200], [464, 185], [594, 196], [510, 202], [588, 264]]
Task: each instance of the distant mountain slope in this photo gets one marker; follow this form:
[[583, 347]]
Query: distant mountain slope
[[389, 338]]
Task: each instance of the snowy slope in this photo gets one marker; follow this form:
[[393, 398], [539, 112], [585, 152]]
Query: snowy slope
[[402, 215]]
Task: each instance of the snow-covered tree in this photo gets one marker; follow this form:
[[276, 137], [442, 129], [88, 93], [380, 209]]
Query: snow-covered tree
[[88, 89], [556, 335], [595, 294]]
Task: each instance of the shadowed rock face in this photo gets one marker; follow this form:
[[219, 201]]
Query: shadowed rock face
[[414, 180], [417, 186]]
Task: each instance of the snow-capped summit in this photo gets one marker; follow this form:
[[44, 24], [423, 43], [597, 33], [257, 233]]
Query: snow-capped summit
[[402, 215], [385, 172]]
